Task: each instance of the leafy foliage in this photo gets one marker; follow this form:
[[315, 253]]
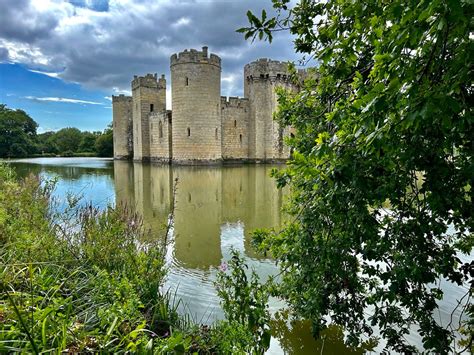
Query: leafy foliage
[[382, 170], [18, 138], [104, 144], [244, 300], [83, 280], [17, 133]]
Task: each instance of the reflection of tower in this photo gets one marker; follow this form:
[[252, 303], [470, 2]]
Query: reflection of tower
[[195, 84], [161, 198], [264, 201], [124, 184], [198, 216], [149, 95], [235, 193], [261, 78], [141, 177]]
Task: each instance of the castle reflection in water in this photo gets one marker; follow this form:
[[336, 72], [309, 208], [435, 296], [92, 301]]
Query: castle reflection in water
[[207, 200]]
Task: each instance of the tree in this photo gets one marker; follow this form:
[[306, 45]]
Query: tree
[[67, 140], [17, 133], [88, 141], [46, 143], [382, 170], [104, 144]]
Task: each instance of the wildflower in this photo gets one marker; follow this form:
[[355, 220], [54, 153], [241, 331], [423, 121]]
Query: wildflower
[[223, 267]]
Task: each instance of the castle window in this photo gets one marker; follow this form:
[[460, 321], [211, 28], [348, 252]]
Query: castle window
[[189, 132], [240, 138], [151, 108], [160, 129], [217, 134], [187, 81], [235, 123]]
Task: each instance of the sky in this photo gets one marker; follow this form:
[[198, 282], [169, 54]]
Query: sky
[[61, 61]]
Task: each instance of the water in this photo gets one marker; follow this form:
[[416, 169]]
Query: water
[[216, 209]]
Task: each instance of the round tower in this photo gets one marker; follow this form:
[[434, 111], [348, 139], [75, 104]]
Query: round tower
[[196, 92], [261, 78]]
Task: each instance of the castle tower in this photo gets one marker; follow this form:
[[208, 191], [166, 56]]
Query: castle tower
[[122, 126], [195, 85], [149, 95], [261, 78]]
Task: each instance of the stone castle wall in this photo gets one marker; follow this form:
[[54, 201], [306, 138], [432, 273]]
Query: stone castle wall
[[203, 126], [122, 126], [160, 136], [261, 79], [149, 95], [196, 85], [235, 128]]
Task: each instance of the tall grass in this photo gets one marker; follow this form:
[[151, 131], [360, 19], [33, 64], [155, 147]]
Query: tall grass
[[89, 280], [85, 281]]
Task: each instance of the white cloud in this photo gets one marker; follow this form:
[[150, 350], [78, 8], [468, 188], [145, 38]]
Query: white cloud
[[52, 75], [63, 99], [183, 21], [102, 44]]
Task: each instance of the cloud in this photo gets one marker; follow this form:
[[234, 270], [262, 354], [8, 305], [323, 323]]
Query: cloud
[[102, 44], [52, 75], [3, 54], [63, 99]]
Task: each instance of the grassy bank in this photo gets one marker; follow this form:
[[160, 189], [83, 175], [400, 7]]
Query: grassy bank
[[90, 280]]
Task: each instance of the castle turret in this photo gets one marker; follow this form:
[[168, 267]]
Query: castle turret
[[149, 95], [122, 126], [261, 78], [195, 83]]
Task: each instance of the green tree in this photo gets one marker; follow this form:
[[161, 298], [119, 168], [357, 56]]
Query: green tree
[[88, 141], [67, 140], [104, 145], [17, 133], [382, 170], [45, 142]]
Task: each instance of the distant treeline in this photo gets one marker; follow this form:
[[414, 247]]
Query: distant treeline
[[18, 138]]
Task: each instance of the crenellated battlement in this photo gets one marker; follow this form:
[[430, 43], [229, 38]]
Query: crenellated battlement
[[263, 69], [195, 56], [121, 98], [205, 127], [234, 101], [149, 81]]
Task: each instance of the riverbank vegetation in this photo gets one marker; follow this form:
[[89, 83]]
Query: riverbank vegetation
[[19, 139], [85, 280], [384, 120]]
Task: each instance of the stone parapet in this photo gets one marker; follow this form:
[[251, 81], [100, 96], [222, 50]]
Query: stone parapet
[[149, 81], [195, 56]]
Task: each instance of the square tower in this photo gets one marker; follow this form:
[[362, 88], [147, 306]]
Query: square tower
[[149, 95]]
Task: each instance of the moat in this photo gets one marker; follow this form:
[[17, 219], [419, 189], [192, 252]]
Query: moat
[[216, 209]]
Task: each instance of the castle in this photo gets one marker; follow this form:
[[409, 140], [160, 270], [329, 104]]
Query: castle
[[203, 127]]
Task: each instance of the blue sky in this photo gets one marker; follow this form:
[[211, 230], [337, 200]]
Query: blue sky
[[60, 60], [52, 102]]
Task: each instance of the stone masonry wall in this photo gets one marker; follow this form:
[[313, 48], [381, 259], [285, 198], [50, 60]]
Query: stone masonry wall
[[205, 127], [122, 126], [235, 114], [149, 95], [160, 136], [261, 78], [195, 84]]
